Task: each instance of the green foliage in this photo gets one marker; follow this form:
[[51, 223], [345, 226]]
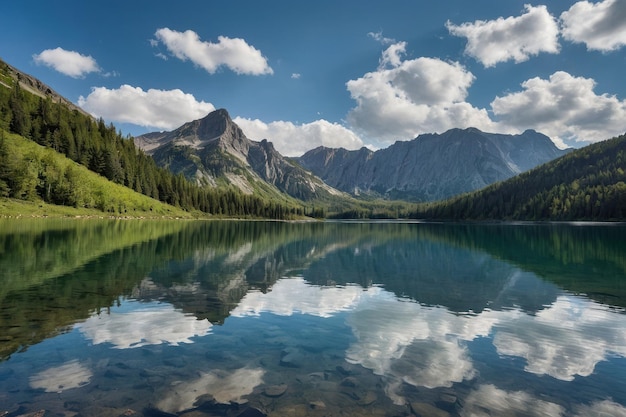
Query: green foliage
[[104, 151], [586, 184], [32, 172]]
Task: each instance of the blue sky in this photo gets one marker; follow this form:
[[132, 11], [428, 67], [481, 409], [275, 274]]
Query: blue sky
[[333, 73]]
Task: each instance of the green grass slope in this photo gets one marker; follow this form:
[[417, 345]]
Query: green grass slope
[[29, 171]]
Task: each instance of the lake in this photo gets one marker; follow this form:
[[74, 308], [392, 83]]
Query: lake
[[252, 318]]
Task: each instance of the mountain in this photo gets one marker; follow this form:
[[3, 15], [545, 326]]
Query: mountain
[[10, 75], [432, 166], [586, 184], [215, 151], [40, 132]]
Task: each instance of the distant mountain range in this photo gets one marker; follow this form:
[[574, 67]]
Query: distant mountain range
[[215, 150], [432, 166]]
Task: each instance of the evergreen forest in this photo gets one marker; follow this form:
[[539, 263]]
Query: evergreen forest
[[586, 184], [100, 148]]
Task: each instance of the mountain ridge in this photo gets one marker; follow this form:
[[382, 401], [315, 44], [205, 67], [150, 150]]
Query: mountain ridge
[[432, 166]]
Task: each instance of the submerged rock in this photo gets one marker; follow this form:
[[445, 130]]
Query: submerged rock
[[252, 412], [317, 405], [369, 398], [425, 409], [275, 390], [349, 382]]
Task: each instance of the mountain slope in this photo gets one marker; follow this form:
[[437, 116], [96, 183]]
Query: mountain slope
[[586, 184], [32, 110], [214, 150], [432, 166]]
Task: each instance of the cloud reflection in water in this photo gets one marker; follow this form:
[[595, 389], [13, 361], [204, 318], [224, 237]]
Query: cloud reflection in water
[[225, 387], [406, 342], [290, 296], [61, 378], [150, 324], [566, 339]]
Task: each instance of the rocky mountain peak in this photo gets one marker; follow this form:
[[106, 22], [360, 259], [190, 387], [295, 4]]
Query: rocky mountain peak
[[215, 148]]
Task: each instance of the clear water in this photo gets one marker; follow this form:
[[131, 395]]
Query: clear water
[[139, 318]]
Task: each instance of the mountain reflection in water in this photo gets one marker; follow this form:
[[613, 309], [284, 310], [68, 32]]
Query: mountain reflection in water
[[266, 318]]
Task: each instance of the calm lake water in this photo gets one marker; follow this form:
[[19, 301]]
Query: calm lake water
[[141, 318]]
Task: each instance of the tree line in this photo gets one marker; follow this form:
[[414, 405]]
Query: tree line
[[586, 184], [99, 147]]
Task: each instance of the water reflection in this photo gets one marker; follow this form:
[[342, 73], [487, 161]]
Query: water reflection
[[223, 387], [296, 296], [63, 377], [309, 319], [141, 325], [565, 340]]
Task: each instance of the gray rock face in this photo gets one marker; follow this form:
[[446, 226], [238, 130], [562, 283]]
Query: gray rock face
[[214, 149], [432, 166]]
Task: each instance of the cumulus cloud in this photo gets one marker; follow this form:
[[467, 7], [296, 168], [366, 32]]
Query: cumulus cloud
[[601, 26], [563, 107], [292, 139], [233, 53], [161, 109], [516, 38], [404, 98], [70, 63]]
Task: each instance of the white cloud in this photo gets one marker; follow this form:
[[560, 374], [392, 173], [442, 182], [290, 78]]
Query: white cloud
[[233, 53], [601, 26], [422, 95], [392, 56], [293, 140], [515, 38], [69, 63], [296, 76], [563, 107], [161, 109], [152, 324], [378, 37]]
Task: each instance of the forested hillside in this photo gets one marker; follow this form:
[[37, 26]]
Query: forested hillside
[[587, 184], [103, 150]]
